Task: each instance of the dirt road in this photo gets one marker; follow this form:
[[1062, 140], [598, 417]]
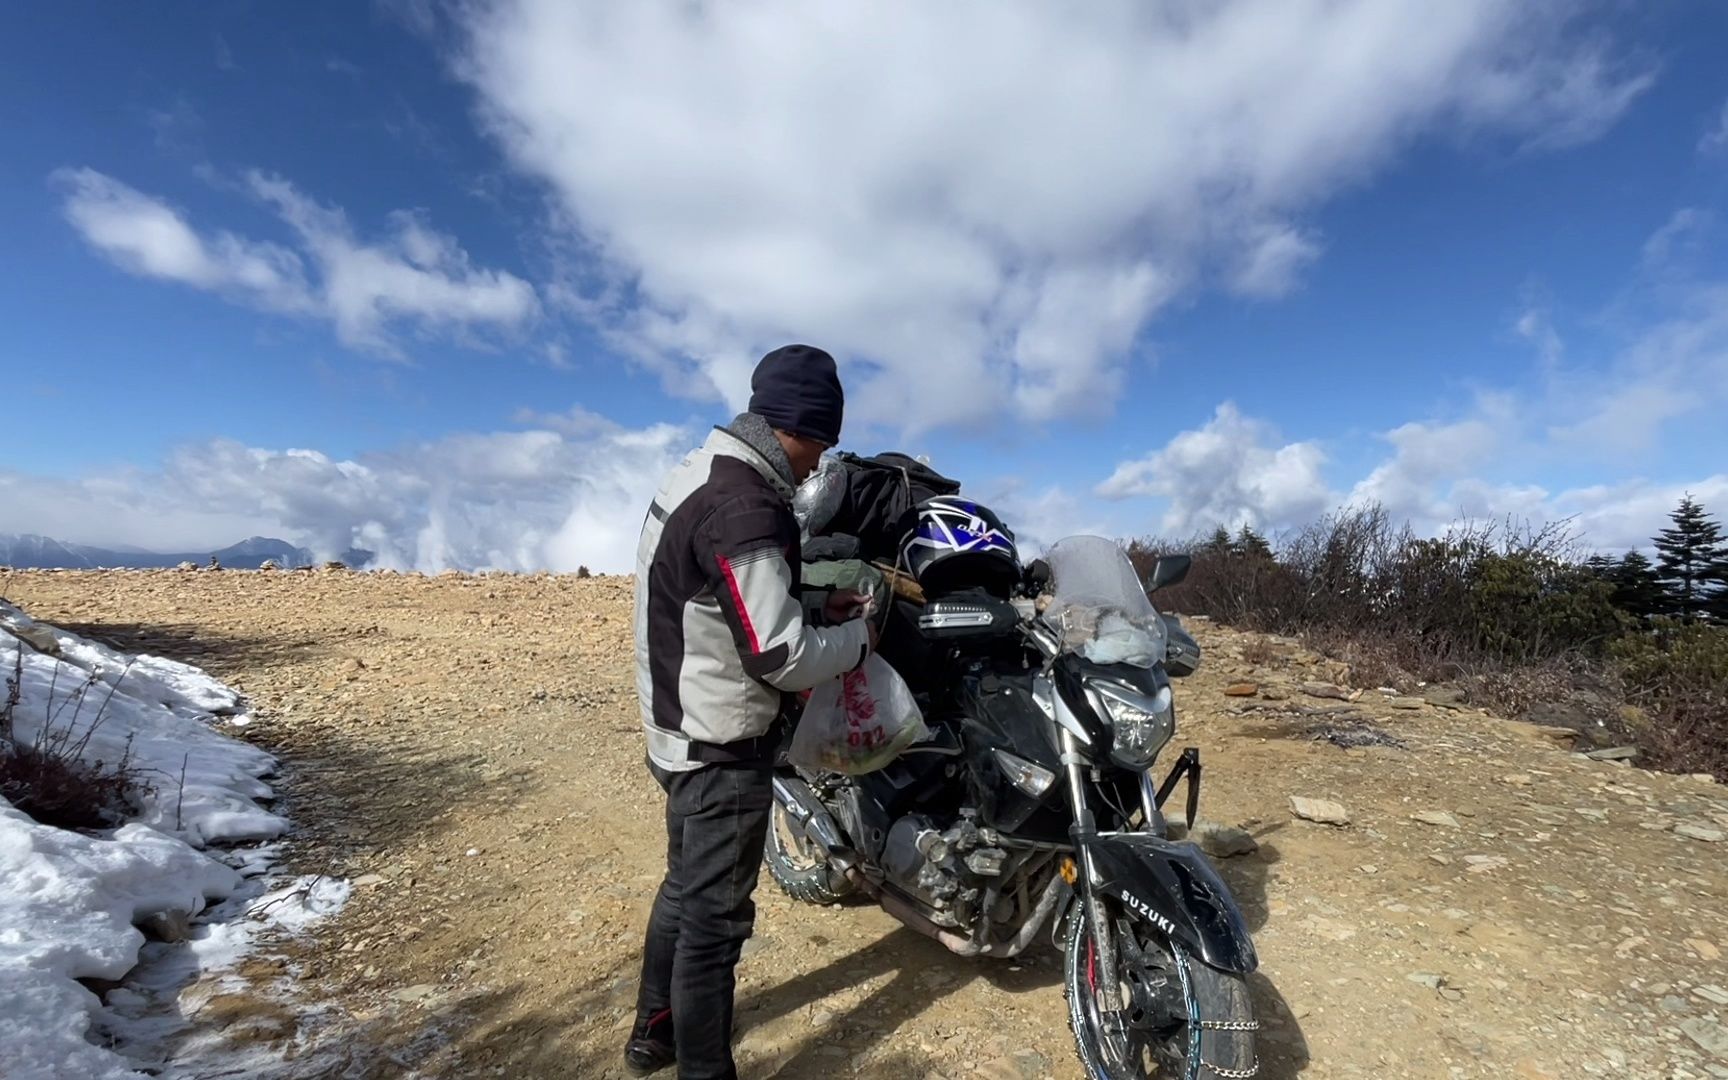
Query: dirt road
[[466, 749]]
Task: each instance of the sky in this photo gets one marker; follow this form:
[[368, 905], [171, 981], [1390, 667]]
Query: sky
[[458, 283]]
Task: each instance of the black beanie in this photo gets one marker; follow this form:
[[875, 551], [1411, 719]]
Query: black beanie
[[796, 388]]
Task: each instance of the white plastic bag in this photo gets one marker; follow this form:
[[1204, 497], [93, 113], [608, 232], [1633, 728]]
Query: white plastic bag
[[858, 722]]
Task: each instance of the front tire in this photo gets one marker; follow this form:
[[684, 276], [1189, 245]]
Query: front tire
[[797, 865], [1168, 998]]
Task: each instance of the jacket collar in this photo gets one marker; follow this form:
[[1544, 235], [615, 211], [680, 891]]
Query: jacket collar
[[721, 441]]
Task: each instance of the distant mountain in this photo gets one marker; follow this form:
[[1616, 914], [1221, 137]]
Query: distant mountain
[[41, 551], [45, 553]]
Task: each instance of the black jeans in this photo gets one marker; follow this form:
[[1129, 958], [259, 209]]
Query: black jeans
[[716, 822]]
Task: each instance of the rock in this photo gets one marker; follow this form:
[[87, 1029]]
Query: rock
[[1446, 697], [268, 564], [1563, 737], [172, 926], [1715, 995], [1322, 811], [1482, 864], [417, 992], [1436, 817], [1020, 1065], [187, 565], [1710, 1036], [367, 881], [1701, 832], [38, 636], [1223, 841], [1423, 978], [1330, 690], [1443, 860], [1242, 689], [1406, 703], [1273, 693], [1614, 753], [1704, 949]]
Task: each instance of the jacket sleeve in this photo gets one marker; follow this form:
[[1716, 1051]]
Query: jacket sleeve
[[743, 550]]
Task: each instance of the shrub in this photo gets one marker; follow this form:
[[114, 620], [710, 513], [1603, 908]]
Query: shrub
[[49, 778], [1677, 673], [1480, 593], [1515, 613]]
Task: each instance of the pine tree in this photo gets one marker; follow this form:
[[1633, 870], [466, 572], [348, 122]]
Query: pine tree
[[1637, 585], [1219, 544], [1252, 545], [1694, 561]]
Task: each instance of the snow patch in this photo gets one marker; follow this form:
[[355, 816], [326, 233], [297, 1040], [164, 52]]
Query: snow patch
[[69, 900]]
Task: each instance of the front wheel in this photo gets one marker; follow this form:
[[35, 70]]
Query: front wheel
[[1179, 1018]]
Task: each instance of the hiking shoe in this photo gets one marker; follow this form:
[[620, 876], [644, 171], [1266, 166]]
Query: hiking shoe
[[650, 1048]]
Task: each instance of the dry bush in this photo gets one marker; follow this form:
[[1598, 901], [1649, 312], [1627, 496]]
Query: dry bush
[[49, 778], [1511, 614], [1677, 673], [1258, 650]]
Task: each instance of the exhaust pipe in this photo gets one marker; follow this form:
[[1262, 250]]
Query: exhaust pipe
[[810, 816]]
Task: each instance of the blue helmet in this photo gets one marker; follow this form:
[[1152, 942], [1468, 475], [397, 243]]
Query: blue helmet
[[958, 544]]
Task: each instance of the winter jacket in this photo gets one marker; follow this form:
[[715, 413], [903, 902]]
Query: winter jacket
[[720, 626]]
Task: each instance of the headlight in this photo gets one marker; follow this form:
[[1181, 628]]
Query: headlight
[[1142, 725]]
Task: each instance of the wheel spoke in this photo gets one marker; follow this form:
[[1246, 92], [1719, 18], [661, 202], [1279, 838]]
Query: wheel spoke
[[1150, 1036]]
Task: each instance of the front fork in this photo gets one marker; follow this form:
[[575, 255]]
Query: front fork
[[1109, 989], [1086, 827]]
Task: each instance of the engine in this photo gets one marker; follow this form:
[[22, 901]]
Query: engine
[[950, 870]]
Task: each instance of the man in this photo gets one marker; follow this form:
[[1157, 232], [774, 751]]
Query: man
[[721, 634]]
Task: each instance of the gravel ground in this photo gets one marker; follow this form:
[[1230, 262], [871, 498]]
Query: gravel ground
[[466, 749]]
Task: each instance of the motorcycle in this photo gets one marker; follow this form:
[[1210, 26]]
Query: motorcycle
[[1034, 803]]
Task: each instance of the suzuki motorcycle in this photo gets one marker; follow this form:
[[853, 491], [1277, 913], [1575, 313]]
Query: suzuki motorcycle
[[1034, 803]]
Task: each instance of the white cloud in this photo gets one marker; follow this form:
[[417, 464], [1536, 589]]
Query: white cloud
[[1231, 471], [1626, 515], [1536, 327], [1567, 98], [1611, 416], [519, 500], [1426, 456], [1040, 517], [413, 278], [146, 236], [1715, 140], [1677, 243], [985, 201], [1675, 368], [1274, 259]]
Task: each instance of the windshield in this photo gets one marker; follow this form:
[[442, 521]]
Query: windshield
[[1100, 609]]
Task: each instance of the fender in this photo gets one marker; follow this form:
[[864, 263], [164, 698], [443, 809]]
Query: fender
[[1174, 888]]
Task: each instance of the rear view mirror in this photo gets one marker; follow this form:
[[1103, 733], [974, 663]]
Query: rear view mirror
[[1168, 570]]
